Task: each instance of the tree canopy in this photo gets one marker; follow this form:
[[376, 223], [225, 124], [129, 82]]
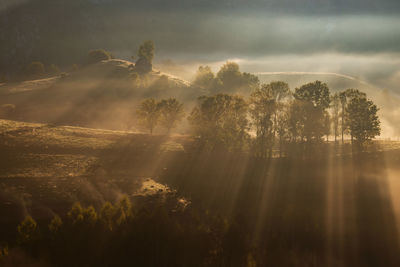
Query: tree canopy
[[363, 119], [220, 121], [171, 112], [146, 50], [98, 55], [148, 114]]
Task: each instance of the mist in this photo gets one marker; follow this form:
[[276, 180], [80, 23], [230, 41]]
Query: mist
[[200, 133]]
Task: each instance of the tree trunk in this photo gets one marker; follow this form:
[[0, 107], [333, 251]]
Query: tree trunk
[[342, 124]]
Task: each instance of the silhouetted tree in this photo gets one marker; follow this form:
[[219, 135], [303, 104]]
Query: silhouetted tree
[[145, 57], [335, 114], [296, 117], [205, 79], [363, 120], [230, 75], [345, 97], [7, 110], [35, 70], [282, 125], [171, 113], [281, 93], [148, 114], [98, 55], [75, 215], [3, 253], [220, 121], [146, 50], [262, 110], [107, 215], [27, 230], [55, 224], [123, 210], [90, 216], [315, 99], [230, 79], [327, 125]]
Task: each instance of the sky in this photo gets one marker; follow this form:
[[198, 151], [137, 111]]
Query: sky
[[359, 38]]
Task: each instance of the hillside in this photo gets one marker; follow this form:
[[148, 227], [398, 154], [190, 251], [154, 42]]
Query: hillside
[[92, 96], [44, 168]]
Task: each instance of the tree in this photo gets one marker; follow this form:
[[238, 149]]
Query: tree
[[282, 126], [230, 79], [75, 215], [53, 70], [327, 125], [363, 120], [204, 78], [230, 75], [55, 224], [296, 120], [262, 109], [280, 92], [123, 210], [343, 101], [35, 70], [98, 55], [27, 230], [171, 112], [146, 50], [335, 114], [107, 214], [220, 121], [315, 99], [90, 216], [148, 114], [145, 57], [345, 97]]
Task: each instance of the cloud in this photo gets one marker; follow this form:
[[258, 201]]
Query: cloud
[[281, 6]]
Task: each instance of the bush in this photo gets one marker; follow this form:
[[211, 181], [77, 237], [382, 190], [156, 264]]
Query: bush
[[35, 70], [53, 70], [7, 110], [98, 55]]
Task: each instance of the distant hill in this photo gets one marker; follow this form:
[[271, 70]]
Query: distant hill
[[336, 82]]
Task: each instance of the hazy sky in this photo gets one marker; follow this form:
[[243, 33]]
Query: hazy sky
[[356, 40], [356, 37]]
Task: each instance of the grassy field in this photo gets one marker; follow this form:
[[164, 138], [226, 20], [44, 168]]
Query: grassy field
[[45, 168]]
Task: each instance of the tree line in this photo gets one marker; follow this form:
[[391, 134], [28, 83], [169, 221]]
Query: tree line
[[159, 232], [273, 117]]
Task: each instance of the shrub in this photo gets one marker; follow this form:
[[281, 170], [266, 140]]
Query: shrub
[[98, 55], [35, 70]]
